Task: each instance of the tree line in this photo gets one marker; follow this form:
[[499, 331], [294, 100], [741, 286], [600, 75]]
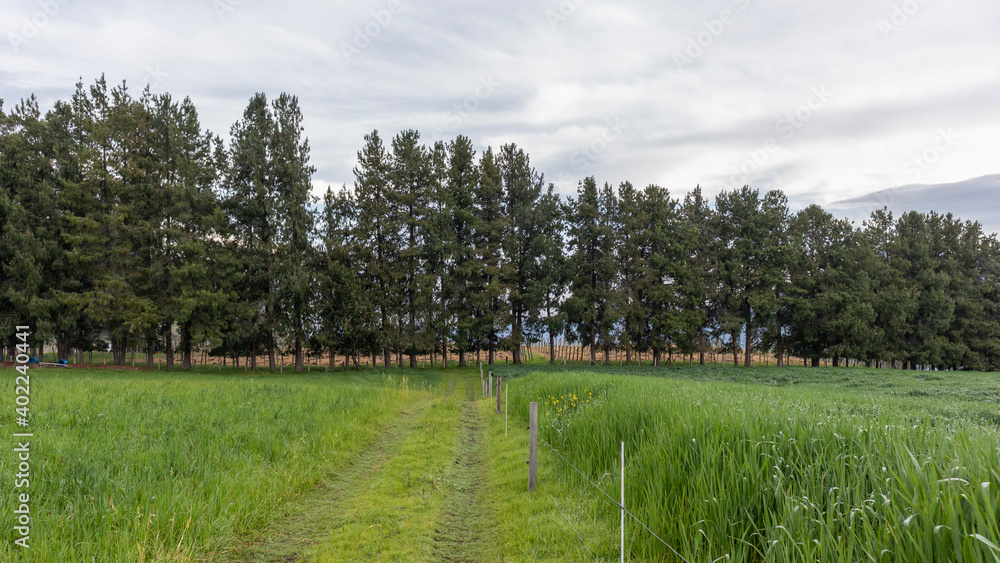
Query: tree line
[[125, 223]]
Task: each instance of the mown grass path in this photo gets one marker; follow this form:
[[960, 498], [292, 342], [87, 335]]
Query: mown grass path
[[461, 532], [307, 522], [414, 495]]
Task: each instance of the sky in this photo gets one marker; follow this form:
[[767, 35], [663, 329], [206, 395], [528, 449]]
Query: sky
[[827, 101]]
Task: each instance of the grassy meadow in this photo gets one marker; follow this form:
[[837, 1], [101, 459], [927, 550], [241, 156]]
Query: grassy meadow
[[725, 464], [792, 464], [147, 466]]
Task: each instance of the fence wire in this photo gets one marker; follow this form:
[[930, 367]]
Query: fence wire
[[607, 496], [578, 536]]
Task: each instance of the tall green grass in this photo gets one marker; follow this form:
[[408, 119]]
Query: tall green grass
[[774, 472], [176, 467]]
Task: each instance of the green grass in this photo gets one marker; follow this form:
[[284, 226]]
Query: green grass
[[534, 526], [765, 464], [182, 466], [792, 464]]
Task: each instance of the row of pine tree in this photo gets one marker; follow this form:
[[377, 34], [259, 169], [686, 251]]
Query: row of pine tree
[[125, 223]]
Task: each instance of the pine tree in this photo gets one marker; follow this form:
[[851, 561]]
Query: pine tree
[[411, 181], [522, 187], [552, 274], [752, 256], [702, 259], [378, 228], [250, 206], [593, 265], [631, 255], [344, 307], [490, 235], [295, 221], [830, 301], [27, 232], [464, 266]]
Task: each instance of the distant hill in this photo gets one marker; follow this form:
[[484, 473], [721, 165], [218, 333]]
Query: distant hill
[[976, 199]]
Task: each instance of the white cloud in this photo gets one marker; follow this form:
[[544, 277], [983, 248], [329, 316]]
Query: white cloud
[[558, 82]]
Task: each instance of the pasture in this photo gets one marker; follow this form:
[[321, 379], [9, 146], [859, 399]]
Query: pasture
[[727, 464]]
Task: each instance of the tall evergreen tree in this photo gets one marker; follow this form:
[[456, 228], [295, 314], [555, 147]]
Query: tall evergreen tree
[[464, 266], [490, 236], [378, 226], [750, 230], [411, 182], [295, 221], [522, 187], [593, 265]]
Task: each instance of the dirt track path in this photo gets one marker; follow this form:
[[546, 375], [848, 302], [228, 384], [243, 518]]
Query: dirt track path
[[461, 531], [294, 537], [414, 495]]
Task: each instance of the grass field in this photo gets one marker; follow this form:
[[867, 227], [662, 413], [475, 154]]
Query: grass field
[[766, 464], [147, 466], [794, 464]]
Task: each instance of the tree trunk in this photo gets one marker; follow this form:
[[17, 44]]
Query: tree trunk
[[736, 351], [150, 351], [271, 363], [388, 357], [628, 356], [780, 350], [815, 362], [298, 355], [836, 361], [747, 358], [701, 358], [186, 345], [552, 349]]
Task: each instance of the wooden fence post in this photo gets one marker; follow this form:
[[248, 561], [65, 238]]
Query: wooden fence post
[[533, 446]]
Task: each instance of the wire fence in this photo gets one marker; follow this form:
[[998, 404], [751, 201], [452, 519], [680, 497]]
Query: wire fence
[[607, 497]]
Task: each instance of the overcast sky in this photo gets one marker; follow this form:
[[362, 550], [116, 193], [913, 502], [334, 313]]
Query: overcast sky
[[824, 100]]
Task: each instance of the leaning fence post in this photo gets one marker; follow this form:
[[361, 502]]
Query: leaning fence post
[[532, 445]]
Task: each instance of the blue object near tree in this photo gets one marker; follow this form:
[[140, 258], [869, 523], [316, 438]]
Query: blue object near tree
[[63, 361], [32, 360]]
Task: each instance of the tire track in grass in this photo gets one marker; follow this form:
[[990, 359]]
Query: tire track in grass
[[461, 532], [306, 522], [392, 514]]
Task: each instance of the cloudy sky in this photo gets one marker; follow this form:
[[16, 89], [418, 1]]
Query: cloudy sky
[[827, 101]]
